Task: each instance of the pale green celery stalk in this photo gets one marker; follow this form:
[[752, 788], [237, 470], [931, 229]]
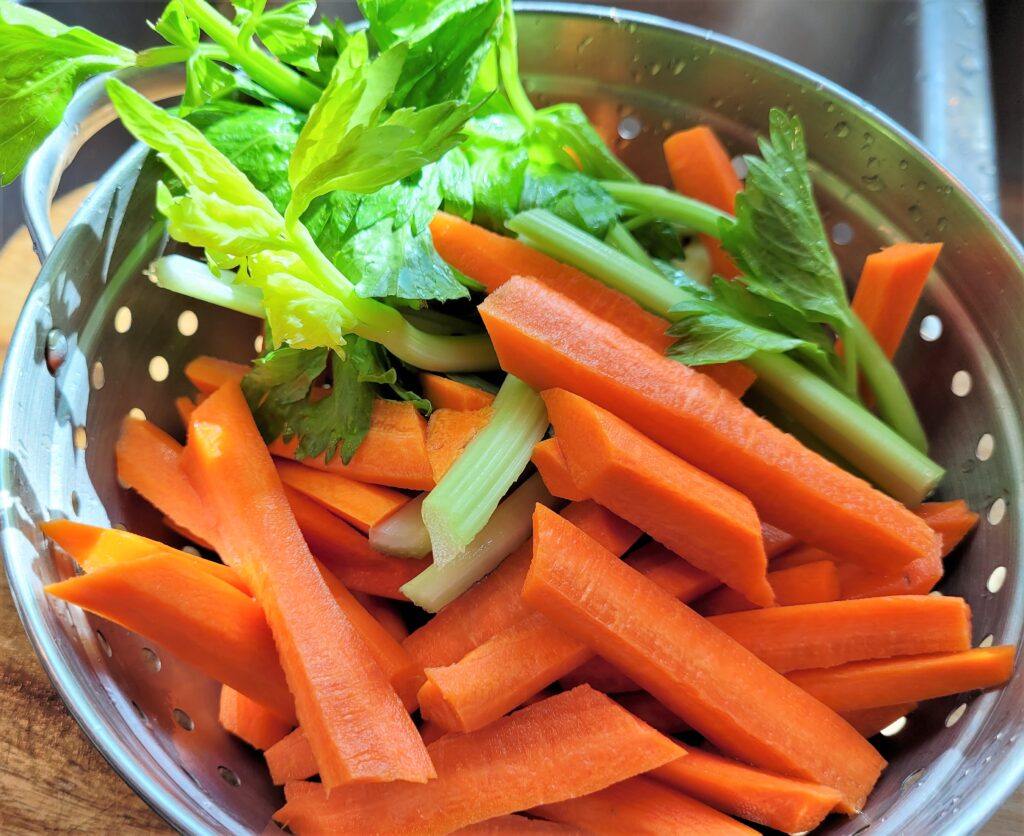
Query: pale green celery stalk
[[403, 534], [893, 401], [279, 79], [508, 528], [159, 56], [875, 449], [865, 441], [193, 278], [622, 239], [378, 322], [460, 505], [668, 206]]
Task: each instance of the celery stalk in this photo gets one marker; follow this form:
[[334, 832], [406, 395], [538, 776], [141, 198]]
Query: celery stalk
[[508, 528], [193, 278], [459, 507], [403, 534]]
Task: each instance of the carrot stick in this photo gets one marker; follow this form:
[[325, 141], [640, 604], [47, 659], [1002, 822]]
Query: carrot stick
[[184, 406], [952, 521], [568, 745], [811, 583], [494, 604], [776, 541], [549, 341], [641, 806], [647, 708], [870, 721], [713, 526], [94, 548], [835, 633], [193, 615], [550, 463], [394, 661], [717, 686], [800, 556], [445, 393], [149, 462], [358, 503], [879, 682], [291, 759], [747, 792], [493, 259], [208, 374], [386, 613], [677, 577], [601, 675], [700, 168], [394, 452], [889, 288], [449, 431], [354, 720], [248, 720], [347, 552], [513, 825]]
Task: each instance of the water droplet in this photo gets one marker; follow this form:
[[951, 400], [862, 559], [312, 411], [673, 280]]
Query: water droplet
[[872, 162], [941, 224], [915, 212], [921, 185], [582, 45], [717, 102], [631, 27], [678, 67], [629, 128], [666, 125], [904, 165], [969, 64], [841, 130], [655, 68], [55, 350], [872, 182], [869, 140], [830, 107]]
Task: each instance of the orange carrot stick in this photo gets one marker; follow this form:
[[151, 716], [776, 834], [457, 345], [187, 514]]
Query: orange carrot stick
[[394, 452], [700, 168], [513, 825], [812, 583], [549, 341], [952, 521], [149, 462], [889, 288], [717, 686], [641, 806], [352, 716], [449, 431], [184, 406], [677, 577], [879, 682], [347, 552], [94, 548], [208, 374], [835, 633], [387, 614], [494, 604], [445, 393], [713, 526], [550, 463], [647, 708], [870, 721], [248, 720], [493, 259], [776, 541], [601, 675], [358, 503], [747, 792], [291, 759], [193, 615], [568, 745]]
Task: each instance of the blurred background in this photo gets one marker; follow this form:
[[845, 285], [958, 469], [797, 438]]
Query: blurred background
[[950, 71]]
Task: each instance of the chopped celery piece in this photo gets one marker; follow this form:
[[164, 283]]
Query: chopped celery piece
[[509, 527], [403, 534], [459, 507], [193, 278]]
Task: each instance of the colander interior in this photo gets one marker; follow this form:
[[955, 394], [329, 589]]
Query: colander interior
[[97, 340]]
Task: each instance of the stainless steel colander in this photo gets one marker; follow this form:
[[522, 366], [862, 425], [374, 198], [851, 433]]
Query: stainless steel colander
[[97, 340]]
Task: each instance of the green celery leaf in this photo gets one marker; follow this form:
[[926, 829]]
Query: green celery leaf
[[496, 151], [278, 381], [205, 81], [44, 62], [337, 424], [570, 195], [345, 144], [720, 324], [176, 27], [287, 33], [447, 40], [778, 239], [567, 126]]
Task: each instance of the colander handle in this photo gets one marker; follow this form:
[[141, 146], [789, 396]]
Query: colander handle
[[88, 112]]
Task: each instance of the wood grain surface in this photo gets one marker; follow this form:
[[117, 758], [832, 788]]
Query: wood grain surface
[[52, 780]]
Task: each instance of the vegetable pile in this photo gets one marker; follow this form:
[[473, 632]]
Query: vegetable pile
[[639, 475]]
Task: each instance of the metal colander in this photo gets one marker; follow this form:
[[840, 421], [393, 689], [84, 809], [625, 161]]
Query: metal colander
[[96, 340]]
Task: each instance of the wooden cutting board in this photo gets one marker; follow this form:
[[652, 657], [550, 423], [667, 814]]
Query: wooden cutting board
[[51, 778]]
